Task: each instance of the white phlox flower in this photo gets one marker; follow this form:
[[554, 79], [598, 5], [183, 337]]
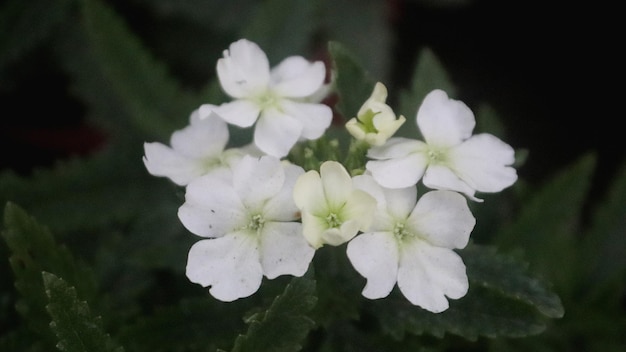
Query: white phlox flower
[[251, 227], [412, 244], [375, 121], [450, 158], [195, 150], [277, 100], [333, 211]]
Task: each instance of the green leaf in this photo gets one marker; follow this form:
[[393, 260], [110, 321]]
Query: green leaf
[[153, 101], [33, 251], [284, 325], [81, 195], [193, 324], [353, 84], [548, 224], [429, 74], [26, 24], [282, 28], [503, 300], [604, 248], [72, 321], [363, 27]]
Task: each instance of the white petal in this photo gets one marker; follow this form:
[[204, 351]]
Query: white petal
[[315, 118], [337, 184], [375, 257], [399, 172], [284, 251], [400, 201], [204, 138], [441, 177], [314, 228], [161, 160], [443, 219], [482, 162], [359, 207], [396, 147], [295, 77], [244, 70], [257, 180], [276, 133], [367, 183], [212, 207], [230, 265], [242, 113], [345, 233], [443, 121], [308, 194], [282, 207], [428, 274]]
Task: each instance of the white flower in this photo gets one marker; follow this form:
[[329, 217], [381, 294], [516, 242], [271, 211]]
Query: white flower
[[375, 121], [333, 211], [250, 222], [412, 244], [279, 99], [195, 150], [450, 158]]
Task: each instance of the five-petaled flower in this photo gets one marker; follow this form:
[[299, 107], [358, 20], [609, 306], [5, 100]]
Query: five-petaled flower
[[261, 216], [250, 222], [281, 99], [413, 245], [195, 150], [333, 211], [375, 121], [450, 158]]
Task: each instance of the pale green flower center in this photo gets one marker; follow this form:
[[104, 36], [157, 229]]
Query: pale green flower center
[[436, 155], [400, 231], [267, 100], [256, 223], [333, 220]]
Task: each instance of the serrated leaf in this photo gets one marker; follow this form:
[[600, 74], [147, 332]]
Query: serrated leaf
[[282, 28], [77, 329], [429, 74], [503, 301], [33, 251], [352, 82], [548, 222], [110, 187], [154, 102], [285, 324]]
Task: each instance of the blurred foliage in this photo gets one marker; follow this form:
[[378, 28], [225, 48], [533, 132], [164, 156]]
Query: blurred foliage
[[95, 254]]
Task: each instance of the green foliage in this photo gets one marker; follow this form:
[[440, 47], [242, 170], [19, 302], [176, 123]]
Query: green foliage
[[26, 25], [504, 300], [72, 321], [284, 325], [282, 28], [114, 270], [152, 100], [428, 74], [352, 82], [33, 251]]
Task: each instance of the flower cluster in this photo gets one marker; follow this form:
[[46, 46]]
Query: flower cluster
[[261, 214]]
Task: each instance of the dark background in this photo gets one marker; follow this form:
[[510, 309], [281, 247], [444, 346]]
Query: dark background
[[550, 72]]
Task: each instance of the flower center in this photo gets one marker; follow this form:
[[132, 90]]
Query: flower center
[[436, 155], [256, 223], [267, 100], [400, 231], [333, 220]]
